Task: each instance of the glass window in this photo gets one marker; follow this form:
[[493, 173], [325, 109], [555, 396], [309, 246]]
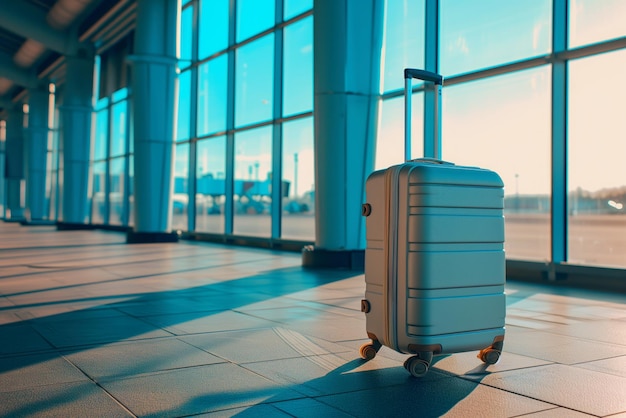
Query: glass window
[[118, 129], [295, 7], [298, 67], [98, 202], [116, 190], [298, 220], [186, 37], [184, 107], [481, 34], [101, 134], [503, 124], [253, 178], [210, 184], [213, 30], [403, 44], [212, 96], [254, 81], [594, 21], [181, 188], [253, 17], [596, 170], [390, 138]]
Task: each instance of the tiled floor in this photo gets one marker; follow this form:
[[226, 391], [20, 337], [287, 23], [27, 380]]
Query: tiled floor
[[91, 326]]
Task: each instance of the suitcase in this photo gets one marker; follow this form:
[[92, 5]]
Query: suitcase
[[434, 260]]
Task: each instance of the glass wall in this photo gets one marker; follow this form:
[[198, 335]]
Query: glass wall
[[596, 169], [110, 161], [501, 108], [249, 129], [503, 123]]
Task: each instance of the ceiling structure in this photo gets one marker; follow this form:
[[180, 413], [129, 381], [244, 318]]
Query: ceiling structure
[[37, 35]]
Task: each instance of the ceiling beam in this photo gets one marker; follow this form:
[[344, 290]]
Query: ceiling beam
[[29, 21], [18, 75]]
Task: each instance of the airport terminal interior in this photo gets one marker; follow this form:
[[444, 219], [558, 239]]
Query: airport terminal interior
[[181, 191]]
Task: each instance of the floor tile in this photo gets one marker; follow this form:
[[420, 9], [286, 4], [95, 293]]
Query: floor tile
[[96, 331], [335, 373], [574, 388], [36, 370], [452, 397], [203, 322], [615, 366], [262, 345], [21, 338], [558, 413], [254, 411], [196, 390], [138, 357], [310, 408], [468, 364], [559, 348], [62, 400]]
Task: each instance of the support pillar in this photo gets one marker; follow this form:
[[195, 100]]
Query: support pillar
[[347, 42], [76, 113], [14, 165], [36, 153], [155, 92]]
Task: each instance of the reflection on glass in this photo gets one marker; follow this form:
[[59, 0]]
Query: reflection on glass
[[298, 218], [403, 41], [253, 179], [253, 17], [298, 67], [101, 133], [295, 7], [212, 94], [503, 124], [180, 199], [213, 31], [210, 184], [596, 173], [116, 191], [184, 119], [254, 81], [118, 128], [594, 21], [481, 34], [186, 36], [390, 138], [98, 202]]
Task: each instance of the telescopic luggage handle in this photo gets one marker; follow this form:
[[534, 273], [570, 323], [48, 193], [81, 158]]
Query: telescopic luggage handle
[[432, 137]]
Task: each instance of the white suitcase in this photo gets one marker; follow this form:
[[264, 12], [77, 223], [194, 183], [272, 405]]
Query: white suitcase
[[434, 262]]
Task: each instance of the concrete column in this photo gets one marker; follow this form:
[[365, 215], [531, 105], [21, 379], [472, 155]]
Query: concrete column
[[35, 153], [155, 95], [76, 113], [347, 50], [14, 165], [2, 176]]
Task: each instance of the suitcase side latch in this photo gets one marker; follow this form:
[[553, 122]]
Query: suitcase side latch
[[365, 305]]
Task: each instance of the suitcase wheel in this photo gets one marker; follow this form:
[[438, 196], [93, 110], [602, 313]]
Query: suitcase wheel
[[489, 355], [416, 366], [368, 350]]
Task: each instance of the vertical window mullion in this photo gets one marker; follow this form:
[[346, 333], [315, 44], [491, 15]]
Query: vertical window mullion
[[193, 134], [230, 123], [277, 172], [431, 62], [559, 135]]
